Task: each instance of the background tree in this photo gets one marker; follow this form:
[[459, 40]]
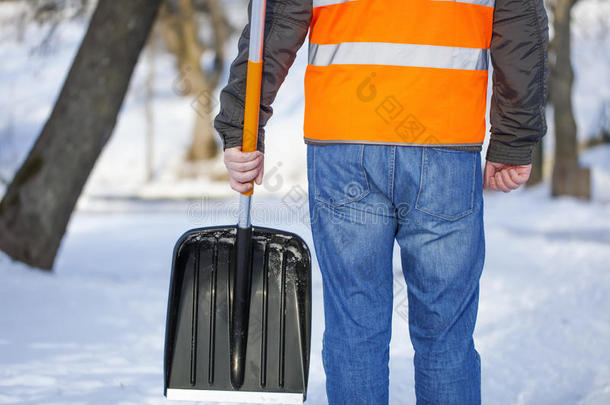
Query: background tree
[[569, 178], [537, 173], [181, 26], [39, 201]]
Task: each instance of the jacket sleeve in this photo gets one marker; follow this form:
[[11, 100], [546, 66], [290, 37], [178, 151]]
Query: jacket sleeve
[[286, 26], [519, 57]]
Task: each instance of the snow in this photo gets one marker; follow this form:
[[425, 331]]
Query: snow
[[598, 160], [591, 53], [91, 332]]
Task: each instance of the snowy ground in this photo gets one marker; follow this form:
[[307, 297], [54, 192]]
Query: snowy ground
[[92, 331]]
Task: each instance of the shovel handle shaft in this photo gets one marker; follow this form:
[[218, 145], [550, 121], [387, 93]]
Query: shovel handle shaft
[[252, 106], [253, 80], [243, 221], [240, 305], [240, 312], [251, 110]]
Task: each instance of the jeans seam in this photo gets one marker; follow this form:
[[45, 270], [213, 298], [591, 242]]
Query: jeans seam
[[421, 176], [474, 179], [392, 173], [345, 216], [448, 150], [366, 179], [446, 218], [313, 173]]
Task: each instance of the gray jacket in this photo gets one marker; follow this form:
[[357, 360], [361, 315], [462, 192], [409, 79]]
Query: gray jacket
[[518, 55]]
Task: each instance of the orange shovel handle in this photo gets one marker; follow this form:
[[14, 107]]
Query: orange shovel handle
[[251, 110]]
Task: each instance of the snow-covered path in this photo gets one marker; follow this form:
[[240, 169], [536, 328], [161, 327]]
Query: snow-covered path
[[92, 331]]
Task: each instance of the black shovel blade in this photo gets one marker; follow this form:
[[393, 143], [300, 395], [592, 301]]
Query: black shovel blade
[[197, 362]]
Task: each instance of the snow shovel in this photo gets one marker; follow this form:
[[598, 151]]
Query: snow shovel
[[239, 307]]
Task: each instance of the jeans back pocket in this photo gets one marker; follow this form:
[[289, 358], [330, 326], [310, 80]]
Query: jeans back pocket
[[447, 183], [339, 176]]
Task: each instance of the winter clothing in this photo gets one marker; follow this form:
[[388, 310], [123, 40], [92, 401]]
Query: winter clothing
[[412, 73], [361, 199]]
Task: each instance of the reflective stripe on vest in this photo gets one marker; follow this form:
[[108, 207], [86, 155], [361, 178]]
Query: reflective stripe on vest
[[488, 3], [380, 53], [398, 71], [322, 3]]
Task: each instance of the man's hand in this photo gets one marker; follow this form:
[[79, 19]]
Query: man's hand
[[501, 177], [244, 167]]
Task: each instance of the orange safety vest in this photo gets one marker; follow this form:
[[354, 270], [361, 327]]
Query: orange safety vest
[[398, 71]]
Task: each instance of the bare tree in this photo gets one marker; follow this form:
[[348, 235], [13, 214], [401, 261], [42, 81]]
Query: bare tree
[[40, 199], [536, 175], [149, 115], [569, 178], [181, 22]]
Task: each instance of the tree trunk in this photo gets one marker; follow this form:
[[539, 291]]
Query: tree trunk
[[568, 177], [203, 145], [149, 114], [180, 29], [537, 166], [39, 201]]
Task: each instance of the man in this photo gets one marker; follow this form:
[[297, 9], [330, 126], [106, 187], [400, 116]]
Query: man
[[395, 98]]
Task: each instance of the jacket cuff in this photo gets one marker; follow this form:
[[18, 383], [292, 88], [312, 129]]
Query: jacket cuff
[[233, 136], [499, 152]]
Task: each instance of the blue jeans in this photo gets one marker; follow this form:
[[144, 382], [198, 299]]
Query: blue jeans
[[361, 199]]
